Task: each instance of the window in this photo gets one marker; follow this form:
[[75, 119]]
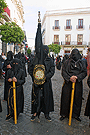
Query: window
[[56, 39], [67, 51], [80, 23], [67, 39], [56, 24], [79, 39], [68, 24]]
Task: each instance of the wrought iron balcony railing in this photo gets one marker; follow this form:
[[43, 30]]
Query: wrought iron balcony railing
[[56, 27], [67, 27], [74, 43], [56, 43], [80, 27]]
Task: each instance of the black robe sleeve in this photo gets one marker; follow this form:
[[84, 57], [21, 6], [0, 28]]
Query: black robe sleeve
[[21, 80], [30, 70], [65, 75], [83, 73], [50, 69], [5, 66]]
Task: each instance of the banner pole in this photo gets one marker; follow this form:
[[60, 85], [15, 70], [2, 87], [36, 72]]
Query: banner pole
[[71, 105], [14, 95]]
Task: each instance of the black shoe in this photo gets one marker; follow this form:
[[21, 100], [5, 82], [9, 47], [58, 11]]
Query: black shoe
[[62, 118], [33, 117], [8, 117], [48, 118], [77, 118]]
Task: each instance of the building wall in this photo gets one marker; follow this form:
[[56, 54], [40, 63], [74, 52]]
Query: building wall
[[16, 15], [16, 11], [62, 22], [49, 21]]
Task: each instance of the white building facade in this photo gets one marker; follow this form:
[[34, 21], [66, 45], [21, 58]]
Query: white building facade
[[13, 13], [69, 28]]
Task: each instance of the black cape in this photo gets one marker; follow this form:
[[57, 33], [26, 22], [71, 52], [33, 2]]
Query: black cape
[[58, 63], [47, 104], [7, 62], [70, 68], [20, 76], [23, 65]]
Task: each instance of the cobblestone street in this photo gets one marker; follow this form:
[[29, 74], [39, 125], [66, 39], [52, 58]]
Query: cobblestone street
[[56, 127]]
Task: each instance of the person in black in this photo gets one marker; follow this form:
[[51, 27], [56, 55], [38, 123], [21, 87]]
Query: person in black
[[42, 95], [85, 61], [53, 58], [23, 60], [1, 65], [16, 74], [47, 103], [7, 66], [73, 71], [65, 58], [87, 108], [31, 57], [58, 63]]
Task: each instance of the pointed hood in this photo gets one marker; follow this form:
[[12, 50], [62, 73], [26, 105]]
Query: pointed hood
[[38, 42]]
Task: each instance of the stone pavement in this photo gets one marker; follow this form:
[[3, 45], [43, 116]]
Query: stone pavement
[[56, 127]]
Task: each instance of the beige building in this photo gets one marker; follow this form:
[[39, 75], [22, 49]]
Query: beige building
[[13, 13], [69, 28]]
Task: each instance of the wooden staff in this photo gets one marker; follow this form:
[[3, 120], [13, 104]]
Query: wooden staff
[[14, 95], [71, 105]]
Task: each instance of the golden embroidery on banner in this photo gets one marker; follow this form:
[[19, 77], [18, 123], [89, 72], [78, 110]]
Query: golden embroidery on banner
[[39, 74]]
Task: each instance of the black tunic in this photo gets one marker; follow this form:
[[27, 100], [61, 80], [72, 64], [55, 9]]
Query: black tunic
[[70, 68], [23, 65], [47, 103], [7, 62], [20, 76]]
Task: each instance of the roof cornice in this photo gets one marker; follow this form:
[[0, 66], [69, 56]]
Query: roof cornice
[[64, 12]]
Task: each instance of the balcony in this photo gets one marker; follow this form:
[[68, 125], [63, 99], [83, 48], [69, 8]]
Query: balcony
[[6, 14], [68, 28], [80, 27], [67, 43], [1, 21], [56, 43], [72, 43], [56, 27]]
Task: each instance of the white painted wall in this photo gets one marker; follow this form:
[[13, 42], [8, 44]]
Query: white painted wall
[[62, 22], [49, 33], [14, 13], [74, 15]]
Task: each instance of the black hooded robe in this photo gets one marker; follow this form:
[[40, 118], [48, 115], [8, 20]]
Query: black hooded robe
[[20, 76], [7, 62], [70, 68], [48, 103], [23, 63], [58, 63], [1, 60]]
